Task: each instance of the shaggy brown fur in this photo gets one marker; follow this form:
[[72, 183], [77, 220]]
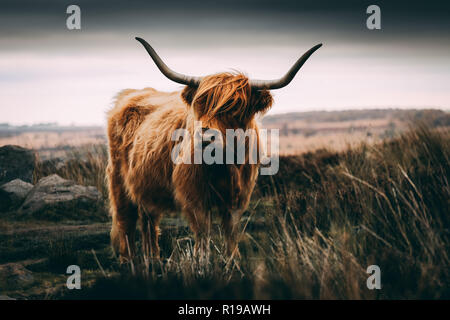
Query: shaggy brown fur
[[144, 182]]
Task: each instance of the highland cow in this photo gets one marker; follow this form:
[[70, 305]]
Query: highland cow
[[143, 180]]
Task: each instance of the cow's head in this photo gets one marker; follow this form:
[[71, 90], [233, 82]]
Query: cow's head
[[226, 100]]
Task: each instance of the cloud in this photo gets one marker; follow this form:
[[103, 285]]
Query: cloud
[[48, 73]]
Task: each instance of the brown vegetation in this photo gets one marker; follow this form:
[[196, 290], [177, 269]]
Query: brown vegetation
[[312, 230]]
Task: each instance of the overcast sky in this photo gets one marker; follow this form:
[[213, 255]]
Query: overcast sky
[[51, 74]]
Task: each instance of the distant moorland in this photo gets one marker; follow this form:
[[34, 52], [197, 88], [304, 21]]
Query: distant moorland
[[299, 132]]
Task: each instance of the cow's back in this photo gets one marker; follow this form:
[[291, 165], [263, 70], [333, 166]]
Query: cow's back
[[140, 127]]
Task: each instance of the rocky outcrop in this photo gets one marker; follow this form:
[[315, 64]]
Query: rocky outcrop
[[13, 193], [16, 163], [56, 198]]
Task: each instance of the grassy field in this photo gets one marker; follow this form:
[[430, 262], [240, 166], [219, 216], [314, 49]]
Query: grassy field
[[310, 232]]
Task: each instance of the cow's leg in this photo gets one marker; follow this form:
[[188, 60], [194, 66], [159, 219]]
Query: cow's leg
[[200, 224], [123, 230], [124, 217], [150, 233], [229, 227]]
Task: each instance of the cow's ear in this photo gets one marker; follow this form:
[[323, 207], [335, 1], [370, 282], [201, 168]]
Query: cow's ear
[[262, 101], [188, 94]]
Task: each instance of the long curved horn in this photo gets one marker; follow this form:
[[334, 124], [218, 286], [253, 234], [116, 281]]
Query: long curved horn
[[169, 73], [284, 81], [255, 84]]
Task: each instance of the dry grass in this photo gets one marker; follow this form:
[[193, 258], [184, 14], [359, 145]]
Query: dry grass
[[85, 165], [314, 228]]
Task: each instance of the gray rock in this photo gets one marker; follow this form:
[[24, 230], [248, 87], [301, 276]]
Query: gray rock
[[14, 275], [13, 193], [16, 163], [6, 298], [56, 198]]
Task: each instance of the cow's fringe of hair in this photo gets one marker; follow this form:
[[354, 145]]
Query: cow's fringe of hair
[[223, 93]]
